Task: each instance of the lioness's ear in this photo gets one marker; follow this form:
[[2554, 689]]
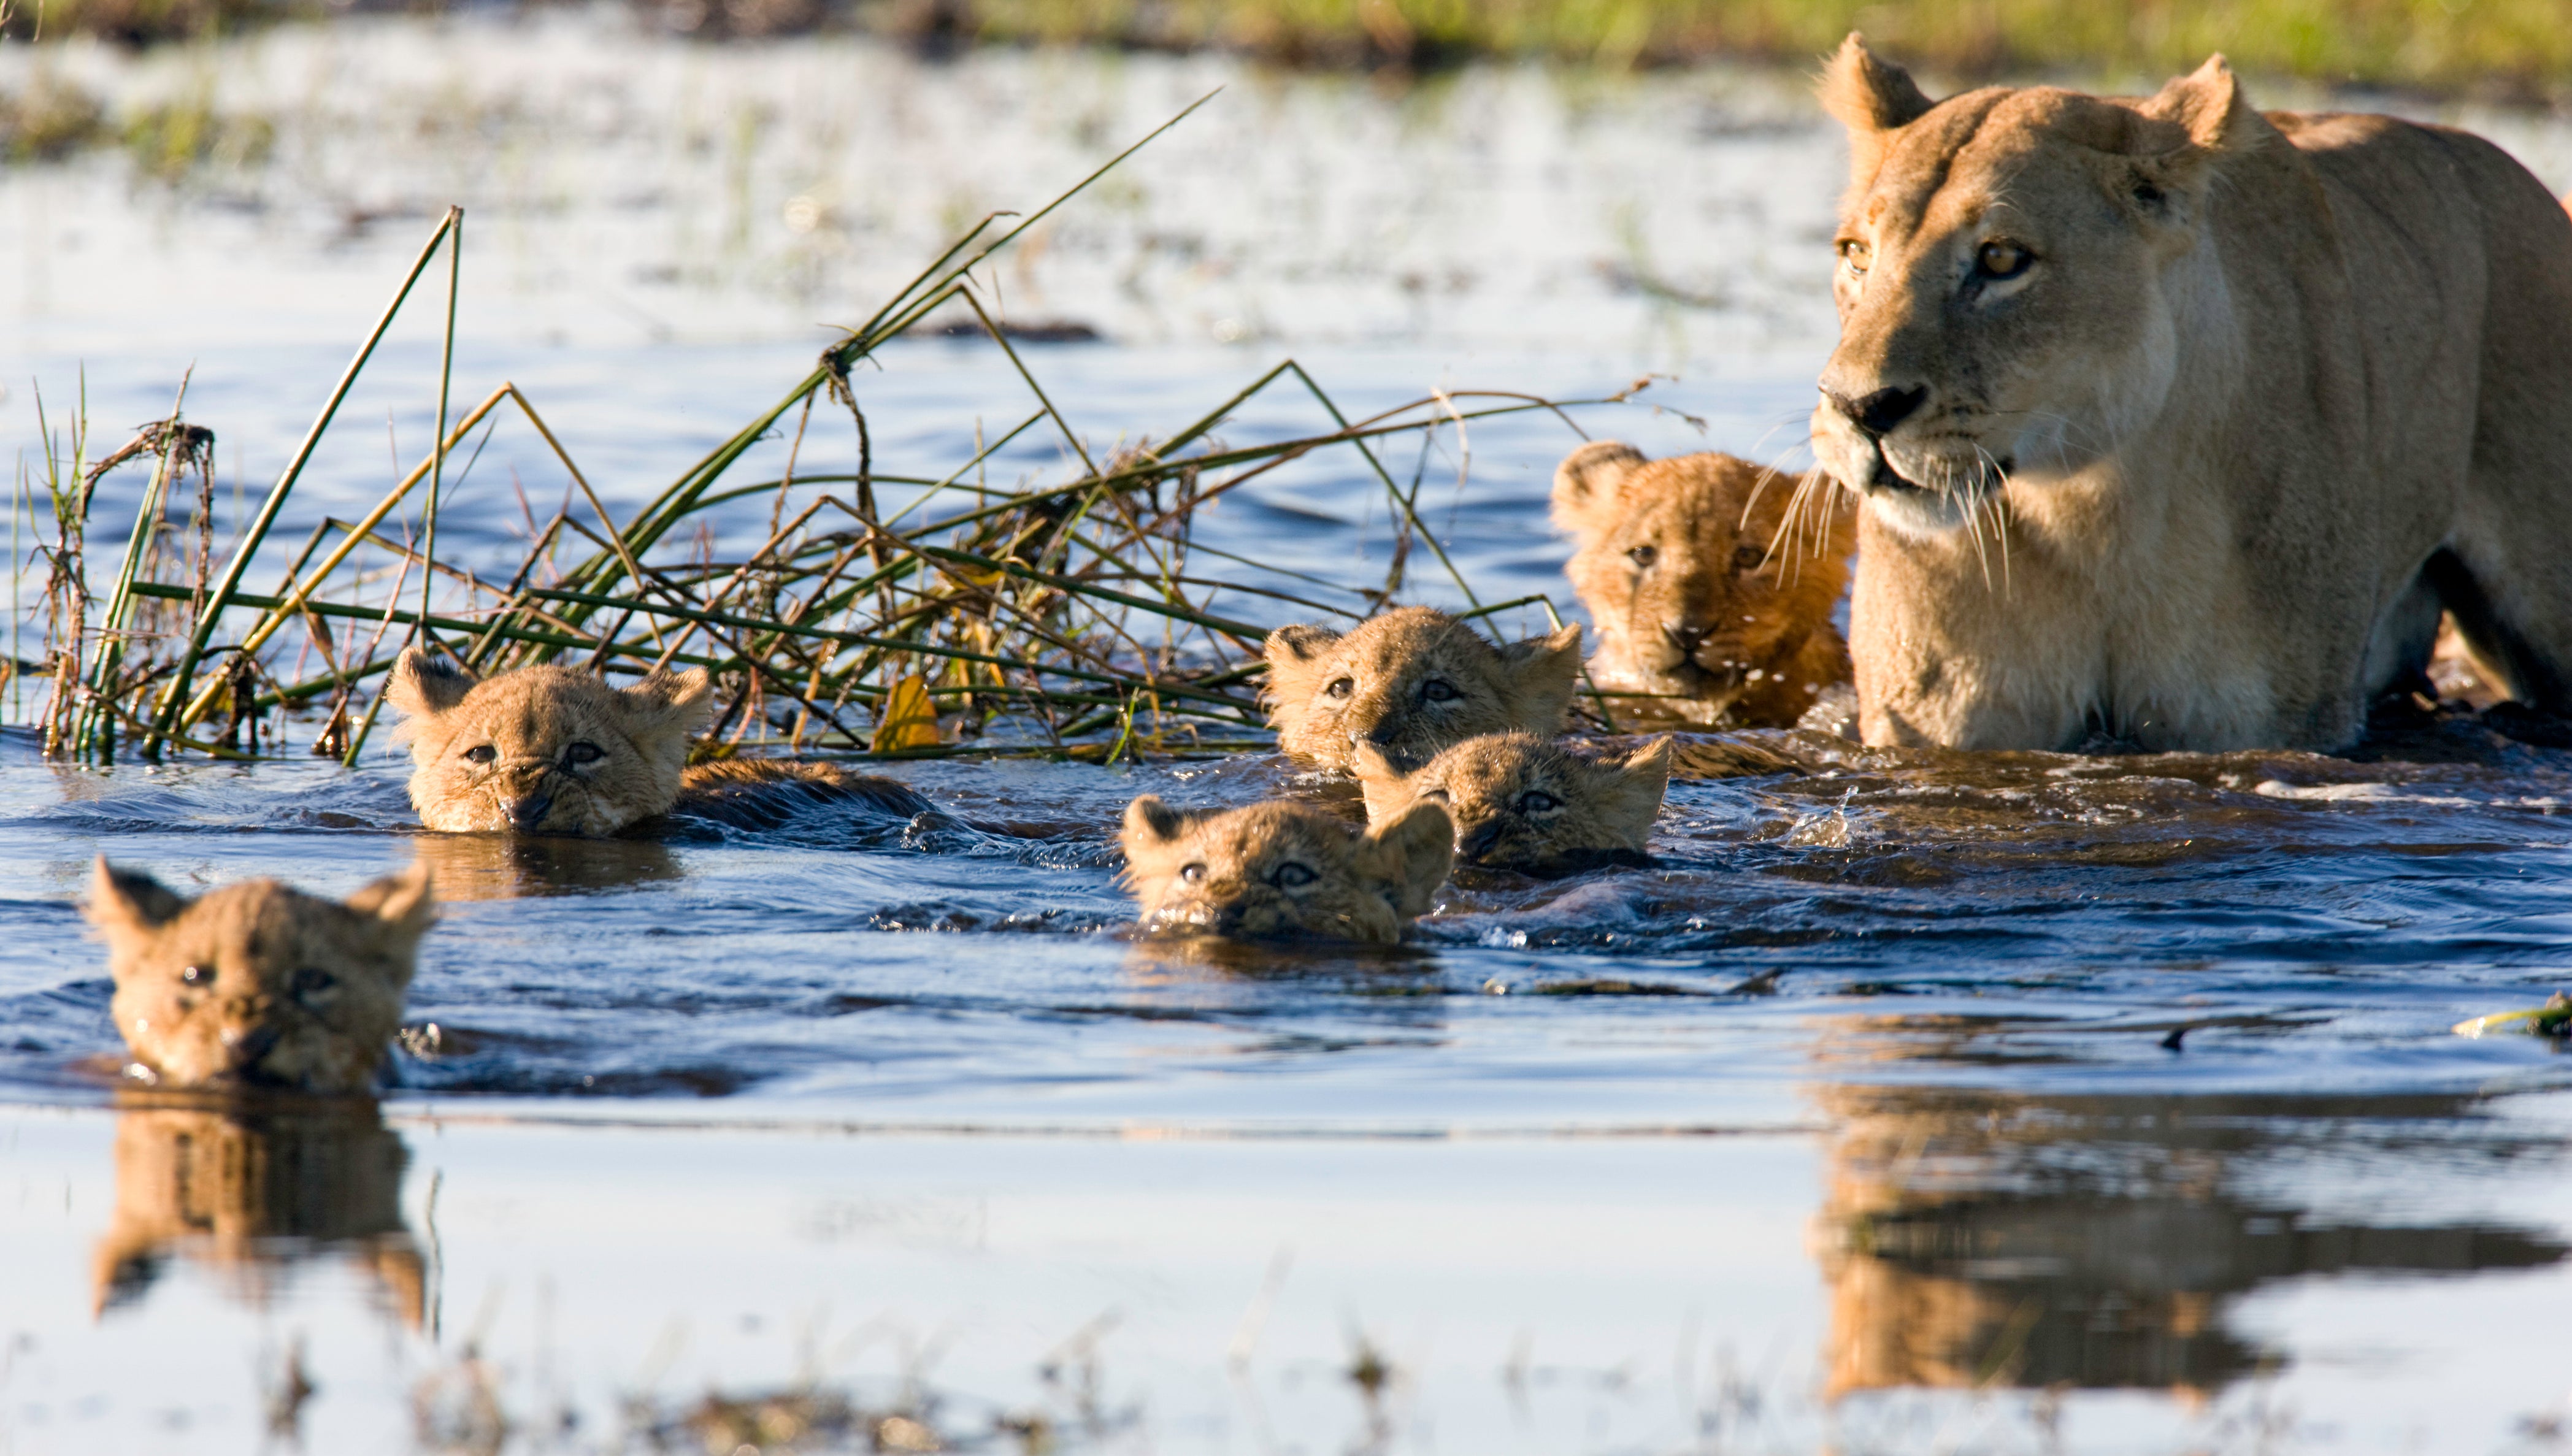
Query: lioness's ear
[[1295, 656], [128, 902], [665, 702], [1586, 485], [1642, 780], [2206, 103], [2207, 109], [1871, 97], [1543, 672], [1413, 854], [422, 686], [1386, 788], [405, 902]]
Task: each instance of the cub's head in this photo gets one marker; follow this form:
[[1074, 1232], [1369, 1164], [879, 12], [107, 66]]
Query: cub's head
[[1519, 802], [2014, 274], [1284, 872], [1410, 683], [543, 750], [257, 984], [1704, 572]]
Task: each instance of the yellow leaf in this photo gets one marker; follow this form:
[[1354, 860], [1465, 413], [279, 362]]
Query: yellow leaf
[[909, 719]]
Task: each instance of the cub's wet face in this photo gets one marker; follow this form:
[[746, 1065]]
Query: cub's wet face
[[2004, 306], [1519, 801], [1705, 573], [1283, 871], [543, 750], [1410, 683], [257, 984]]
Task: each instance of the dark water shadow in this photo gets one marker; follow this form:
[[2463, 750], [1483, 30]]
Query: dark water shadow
[[523, 866]]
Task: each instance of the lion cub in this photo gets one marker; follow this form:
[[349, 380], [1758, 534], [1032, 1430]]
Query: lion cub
[[1711, 580], [1280, 871], [550, 750], [256, 982], [1520, 802], [1410, 683]]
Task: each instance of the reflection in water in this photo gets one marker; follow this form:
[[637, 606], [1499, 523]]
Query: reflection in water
[[522, 867], [252, 1188], [1972, 1237]]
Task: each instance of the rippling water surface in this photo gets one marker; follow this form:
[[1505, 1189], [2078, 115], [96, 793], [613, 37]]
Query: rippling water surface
[[1910, 1101]]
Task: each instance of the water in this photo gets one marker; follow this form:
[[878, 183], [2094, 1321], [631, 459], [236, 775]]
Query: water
[[1858, 1122]]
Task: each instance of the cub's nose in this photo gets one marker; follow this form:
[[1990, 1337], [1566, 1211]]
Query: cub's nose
[[529, 810], [249, 1049], [1473, 847], [1683, 635], [1877, 414]]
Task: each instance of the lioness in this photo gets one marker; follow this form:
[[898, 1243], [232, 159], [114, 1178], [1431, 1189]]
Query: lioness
[[550, 750], [1711, 580], [1410, 683], [257, 982], [2178, 423], [1280, 871], [1520, 802]]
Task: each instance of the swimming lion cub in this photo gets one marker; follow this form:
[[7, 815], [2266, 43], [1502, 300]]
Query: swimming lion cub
[[550, 750], [1280, 871], [1711, 580], [1410, 683], [1520, 802], [259, 983]]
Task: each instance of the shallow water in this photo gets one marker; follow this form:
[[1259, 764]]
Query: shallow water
[[1910, 1103]]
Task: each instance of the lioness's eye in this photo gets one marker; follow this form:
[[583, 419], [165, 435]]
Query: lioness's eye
[[1538, 801], [1192, 872], [312, 982], [1643, 555], [1747, 558], [1437, 690], [198, 974], [1855, 254], [1340, 687], [480, 753], [584, 753], [1292, 876], [1999, 259]]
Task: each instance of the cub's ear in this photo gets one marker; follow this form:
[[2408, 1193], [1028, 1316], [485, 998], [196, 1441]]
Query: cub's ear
[[1633, 800], [1151, 823], [128, 902], [1413, 854], [1542, 674], [1871, 97], [405, 902], [670, 702], [1295, 656], [1387, 789], [423, 686], [1586, 483]]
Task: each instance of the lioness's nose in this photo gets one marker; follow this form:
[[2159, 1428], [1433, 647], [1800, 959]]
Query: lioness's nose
[[1877, 414]]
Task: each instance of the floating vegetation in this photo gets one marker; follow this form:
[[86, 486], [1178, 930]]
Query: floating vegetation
[[883, 614], [2554, 1018]]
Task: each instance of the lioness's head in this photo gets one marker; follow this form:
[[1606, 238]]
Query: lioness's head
[[1704, 572], [1520, 802], [1280, 871], [1410, 683], [257, 984], [543, 750], [2009, 305]]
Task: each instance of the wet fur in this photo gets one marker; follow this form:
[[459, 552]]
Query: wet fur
[[1496, 790], [1234, 872], [1383, 681]]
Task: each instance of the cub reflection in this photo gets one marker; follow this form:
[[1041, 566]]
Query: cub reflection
[[1971, 1238], [251, 1190], [525, 866]]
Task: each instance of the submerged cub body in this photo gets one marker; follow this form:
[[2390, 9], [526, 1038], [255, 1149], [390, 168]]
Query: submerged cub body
[[1280, 871], [1410, 683], [1520, 802], [549, 750], [257, 984], [1711, 580]]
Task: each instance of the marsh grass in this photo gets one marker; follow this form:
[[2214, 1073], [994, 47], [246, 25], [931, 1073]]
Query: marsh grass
[[878, 614]]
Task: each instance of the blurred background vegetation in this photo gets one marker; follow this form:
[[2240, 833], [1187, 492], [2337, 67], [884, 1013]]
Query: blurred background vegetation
[[2517, 50]]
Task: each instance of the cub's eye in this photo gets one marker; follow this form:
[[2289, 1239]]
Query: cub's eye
[[312, 980], [1193, 874], [480, 753], [1438, 690], [1292, 876], [1340, 687], [198, 974], [1855, 255], [1538, 801], [584, 753], [1747, 558], [2000, 258], [1643, 555]]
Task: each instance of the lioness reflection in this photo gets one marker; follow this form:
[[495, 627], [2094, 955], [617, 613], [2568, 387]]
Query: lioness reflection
[[1971, 1238], [248, 1191]]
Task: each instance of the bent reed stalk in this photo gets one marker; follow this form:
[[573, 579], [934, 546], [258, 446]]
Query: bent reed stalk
[[1060, 619]]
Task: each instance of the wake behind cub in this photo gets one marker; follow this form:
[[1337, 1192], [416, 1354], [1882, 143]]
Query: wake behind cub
[[1280, 871], [551, 750], [1410, 683], [1711, 580], [1520, 802]]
